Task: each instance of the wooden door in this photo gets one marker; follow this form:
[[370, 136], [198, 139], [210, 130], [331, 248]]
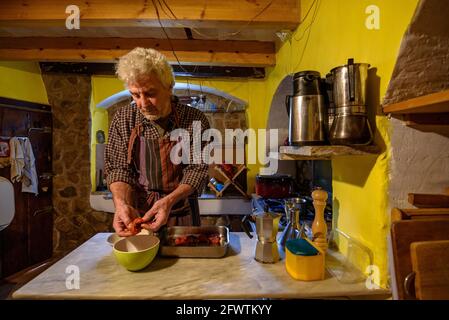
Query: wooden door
[[40, 221], [28, 239], [14, 239]]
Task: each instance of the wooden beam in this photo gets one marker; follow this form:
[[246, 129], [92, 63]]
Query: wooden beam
[[283, 14], [130, 43], [179, 71], [201, 52]]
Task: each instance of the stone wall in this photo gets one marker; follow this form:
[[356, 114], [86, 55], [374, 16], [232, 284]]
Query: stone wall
[[420, 155], [75, 221]]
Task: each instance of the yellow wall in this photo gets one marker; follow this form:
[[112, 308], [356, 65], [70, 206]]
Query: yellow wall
[[22, 80], [339, 32]]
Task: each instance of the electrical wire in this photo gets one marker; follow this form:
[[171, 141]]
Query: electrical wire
[[307, 14], [309, 28], [169, 9], [310, 25], [299, 25], [220, 37], [166, 35], [162, 8]]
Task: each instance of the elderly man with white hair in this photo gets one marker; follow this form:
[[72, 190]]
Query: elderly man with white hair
[[144, 182]]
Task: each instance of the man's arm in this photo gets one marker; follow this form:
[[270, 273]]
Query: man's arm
[[119, 175], [122, 194]]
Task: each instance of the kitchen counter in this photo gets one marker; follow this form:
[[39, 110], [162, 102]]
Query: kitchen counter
[[235, 276]]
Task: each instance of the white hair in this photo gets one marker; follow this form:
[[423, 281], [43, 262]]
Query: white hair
[[140, 62]]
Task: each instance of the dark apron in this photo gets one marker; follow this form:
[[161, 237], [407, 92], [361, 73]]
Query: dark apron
[[158, 176]]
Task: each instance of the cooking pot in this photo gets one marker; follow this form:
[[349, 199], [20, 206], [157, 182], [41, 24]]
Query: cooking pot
[[274, 186]]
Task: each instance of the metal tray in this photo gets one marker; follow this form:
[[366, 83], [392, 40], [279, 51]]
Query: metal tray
[[199, 251]]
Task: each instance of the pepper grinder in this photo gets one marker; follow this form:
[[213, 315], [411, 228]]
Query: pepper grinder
[[319, 227]]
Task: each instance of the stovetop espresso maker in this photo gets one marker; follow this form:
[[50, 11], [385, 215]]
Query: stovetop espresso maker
[[267, 226]]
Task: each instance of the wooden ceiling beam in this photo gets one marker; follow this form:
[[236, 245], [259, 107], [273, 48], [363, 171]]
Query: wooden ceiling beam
[[280, 14], [200, 52]]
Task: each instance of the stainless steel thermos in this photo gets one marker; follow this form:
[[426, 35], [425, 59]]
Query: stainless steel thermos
[[306, 109]]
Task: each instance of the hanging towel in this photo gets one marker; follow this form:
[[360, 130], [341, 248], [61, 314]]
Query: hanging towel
[[23, 167], [17, 159]]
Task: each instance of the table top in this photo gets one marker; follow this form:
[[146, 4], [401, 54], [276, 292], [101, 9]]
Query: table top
[[236, 276]]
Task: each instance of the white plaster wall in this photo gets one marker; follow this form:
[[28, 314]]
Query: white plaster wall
[[420, 162]]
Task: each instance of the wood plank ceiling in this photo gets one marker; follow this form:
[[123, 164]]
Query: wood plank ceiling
[[208, 32]]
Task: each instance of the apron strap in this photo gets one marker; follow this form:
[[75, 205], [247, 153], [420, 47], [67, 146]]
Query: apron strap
[[135, 132]]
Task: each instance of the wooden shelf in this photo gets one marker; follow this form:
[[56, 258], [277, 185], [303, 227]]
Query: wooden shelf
[[432, 103], [325, 152]]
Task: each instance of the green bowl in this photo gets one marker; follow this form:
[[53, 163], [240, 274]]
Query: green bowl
[[136, 252]]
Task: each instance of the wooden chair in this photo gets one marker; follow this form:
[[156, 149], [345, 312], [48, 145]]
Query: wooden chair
[[430, 264]]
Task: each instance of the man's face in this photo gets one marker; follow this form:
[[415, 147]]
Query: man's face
[[151, 97]]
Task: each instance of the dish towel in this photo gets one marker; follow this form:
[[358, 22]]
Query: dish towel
[[23, 167]]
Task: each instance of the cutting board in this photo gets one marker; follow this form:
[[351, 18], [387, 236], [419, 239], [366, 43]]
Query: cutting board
[[430, 261], [403, 233]]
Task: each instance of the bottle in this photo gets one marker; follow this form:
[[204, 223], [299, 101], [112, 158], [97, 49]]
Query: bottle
[[216, 184], [194, 103], [201, 103]]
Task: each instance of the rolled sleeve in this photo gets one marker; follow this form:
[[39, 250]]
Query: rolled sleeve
[[120, 175], [195, 176]]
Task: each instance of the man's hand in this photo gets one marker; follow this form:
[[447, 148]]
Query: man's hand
[[124, 215], [157, 216]]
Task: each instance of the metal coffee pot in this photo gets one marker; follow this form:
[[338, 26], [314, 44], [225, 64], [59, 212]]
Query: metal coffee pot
[[350, 123], [267, 226]]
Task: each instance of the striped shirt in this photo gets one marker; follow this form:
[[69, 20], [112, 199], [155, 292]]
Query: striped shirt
[[128, 117]]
